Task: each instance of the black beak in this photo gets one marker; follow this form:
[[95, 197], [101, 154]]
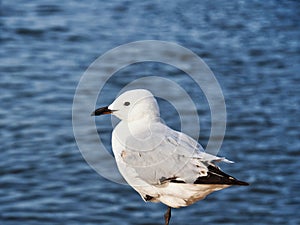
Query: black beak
[[102, 111]]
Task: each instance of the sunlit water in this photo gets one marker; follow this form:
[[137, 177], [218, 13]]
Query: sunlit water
[[252, 48]]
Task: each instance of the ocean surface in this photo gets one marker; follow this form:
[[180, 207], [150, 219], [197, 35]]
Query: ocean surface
[[253, 49]]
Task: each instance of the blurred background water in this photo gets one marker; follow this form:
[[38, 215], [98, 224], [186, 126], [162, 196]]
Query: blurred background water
[[251, 46]]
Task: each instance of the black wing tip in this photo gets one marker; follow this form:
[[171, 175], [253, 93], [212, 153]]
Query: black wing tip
[[241, 183], [220, 180], [237, 182], [217, 176]]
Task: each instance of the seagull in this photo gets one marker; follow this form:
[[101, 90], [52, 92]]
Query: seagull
[[161, 164]]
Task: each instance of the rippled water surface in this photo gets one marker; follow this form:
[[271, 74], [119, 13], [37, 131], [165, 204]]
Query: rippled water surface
[[251, 46]]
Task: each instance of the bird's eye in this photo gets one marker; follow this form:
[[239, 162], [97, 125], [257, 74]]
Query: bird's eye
[[126, 103]]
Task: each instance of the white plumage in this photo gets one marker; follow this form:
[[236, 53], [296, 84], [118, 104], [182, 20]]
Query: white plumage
[[161, 164]]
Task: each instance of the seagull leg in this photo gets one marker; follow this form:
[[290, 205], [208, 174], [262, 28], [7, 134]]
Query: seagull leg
[[167, 215]]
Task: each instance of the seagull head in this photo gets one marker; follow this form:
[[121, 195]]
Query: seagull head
[[131, 106]]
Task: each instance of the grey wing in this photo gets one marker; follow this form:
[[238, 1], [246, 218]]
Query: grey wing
[[166, 156]]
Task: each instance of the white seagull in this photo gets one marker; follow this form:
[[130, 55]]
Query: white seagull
[[161, 164]]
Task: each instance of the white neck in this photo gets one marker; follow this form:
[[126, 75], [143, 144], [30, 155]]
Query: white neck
[[142, 125]]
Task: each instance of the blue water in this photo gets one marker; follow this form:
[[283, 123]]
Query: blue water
[[251, 46]]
